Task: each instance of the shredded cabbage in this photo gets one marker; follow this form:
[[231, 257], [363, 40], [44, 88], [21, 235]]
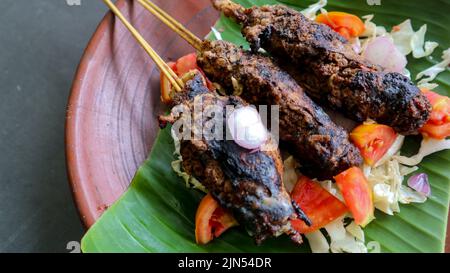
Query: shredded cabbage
[[317, 242], [427, 85], [216, 33], [177, 166], [371, 29], [431, 73], [312, 10], [356, 231], [386, 183], [374, 247], [402, 37], [407, 40], [336, 230], [348, 245], [349, 239], [420, 48], [427, 147], [342, 240]]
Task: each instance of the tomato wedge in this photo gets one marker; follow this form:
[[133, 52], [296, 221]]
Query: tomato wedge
[[438, 126], [319, 205], [357, 194], [186, 64], [373, 141], [182, 66], [211, 220], [346, 24]]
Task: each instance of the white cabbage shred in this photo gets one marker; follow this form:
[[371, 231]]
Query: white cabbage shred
[[217, 34], [356, 231], [386, 183], [405, 39], [312, 10], [342, 239], [371, 29], [427, 85], [431, 73], [318, 242], [427, 146]]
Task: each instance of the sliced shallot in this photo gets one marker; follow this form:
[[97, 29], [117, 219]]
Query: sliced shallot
[[382, 51], [420, 183], [246, 128]]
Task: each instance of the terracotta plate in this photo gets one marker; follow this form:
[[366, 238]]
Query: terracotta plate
[[115, 98]]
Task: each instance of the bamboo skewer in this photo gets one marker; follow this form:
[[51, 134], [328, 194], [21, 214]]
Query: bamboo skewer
[[176, 82], [172, 23]]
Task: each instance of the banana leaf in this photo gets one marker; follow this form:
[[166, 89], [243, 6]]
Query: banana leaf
[[157, 212]]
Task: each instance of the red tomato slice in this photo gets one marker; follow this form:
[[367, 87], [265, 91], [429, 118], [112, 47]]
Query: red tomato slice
[[441, 107], [373, 141], [166, 86], [357, 194], [211, 220], [436, 131], [319, 205], [186, 64], [438, 126], [348, 25]]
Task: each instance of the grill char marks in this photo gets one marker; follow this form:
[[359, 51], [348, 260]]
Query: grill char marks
[[248, 183], [321, 146], [325, 65]]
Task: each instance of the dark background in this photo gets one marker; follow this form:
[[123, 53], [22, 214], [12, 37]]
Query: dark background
[[41, 43]]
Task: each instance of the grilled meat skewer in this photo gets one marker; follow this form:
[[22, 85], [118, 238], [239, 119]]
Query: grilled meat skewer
[[248, 183], [322, 147], [324, 63]]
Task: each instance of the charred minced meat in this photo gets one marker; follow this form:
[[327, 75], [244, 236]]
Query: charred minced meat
[[248, 183], [323, 63], [322, 148]]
